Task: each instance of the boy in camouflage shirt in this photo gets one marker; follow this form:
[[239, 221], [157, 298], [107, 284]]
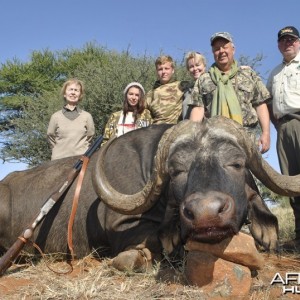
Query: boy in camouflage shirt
[[164, 100]]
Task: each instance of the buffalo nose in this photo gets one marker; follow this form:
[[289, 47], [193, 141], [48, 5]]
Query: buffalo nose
[[207, 209]]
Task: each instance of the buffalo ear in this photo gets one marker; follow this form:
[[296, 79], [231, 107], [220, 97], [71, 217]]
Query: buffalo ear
[[169, 234], [263, 224]]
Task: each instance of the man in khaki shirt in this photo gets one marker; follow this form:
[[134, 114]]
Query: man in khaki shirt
[[284, 86]]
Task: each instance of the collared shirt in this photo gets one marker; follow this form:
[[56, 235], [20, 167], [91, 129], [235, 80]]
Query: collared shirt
[[71, 114], [249, 88], [284, 86]]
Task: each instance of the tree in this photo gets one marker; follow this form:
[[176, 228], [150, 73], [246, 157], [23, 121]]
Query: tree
[[19, 81], [33, 89]]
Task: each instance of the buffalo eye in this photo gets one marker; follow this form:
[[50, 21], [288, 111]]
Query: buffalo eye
[[237, 166], [175, 173]]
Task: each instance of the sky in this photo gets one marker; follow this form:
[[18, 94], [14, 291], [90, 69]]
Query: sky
[[145, 27]]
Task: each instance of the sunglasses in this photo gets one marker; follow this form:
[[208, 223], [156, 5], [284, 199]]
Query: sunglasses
[[288, 39]]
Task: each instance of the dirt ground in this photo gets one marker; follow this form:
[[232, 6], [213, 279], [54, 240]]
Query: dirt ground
[[93, 279]]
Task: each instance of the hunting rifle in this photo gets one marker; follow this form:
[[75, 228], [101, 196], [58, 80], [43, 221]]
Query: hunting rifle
[[12, 253]]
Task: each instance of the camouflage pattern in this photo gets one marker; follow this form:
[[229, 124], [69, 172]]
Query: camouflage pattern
[[111, 128], [165, 102], [187, 100], [249, 88]]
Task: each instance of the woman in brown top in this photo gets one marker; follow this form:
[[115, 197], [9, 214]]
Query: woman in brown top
[[71, 129]]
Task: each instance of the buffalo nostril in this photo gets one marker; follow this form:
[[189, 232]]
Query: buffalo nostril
[[225, 206], [188, 214]]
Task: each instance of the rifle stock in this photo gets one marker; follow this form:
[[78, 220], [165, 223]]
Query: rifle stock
[[12, 253]]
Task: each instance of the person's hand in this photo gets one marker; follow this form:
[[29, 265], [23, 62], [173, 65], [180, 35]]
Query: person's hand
[[264, 142], [197, 114]]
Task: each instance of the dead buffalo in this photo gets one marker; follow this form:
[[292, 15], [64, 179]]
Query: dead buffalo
[[150, 190]]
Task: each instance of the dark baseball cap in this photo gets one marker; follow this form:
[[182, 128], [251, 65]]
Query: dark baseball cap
[[288, 30], [223, 35]]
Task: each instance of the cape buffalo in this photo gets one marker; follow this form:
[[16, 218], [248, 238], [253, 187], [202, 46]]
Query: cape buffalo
[[149, 191]]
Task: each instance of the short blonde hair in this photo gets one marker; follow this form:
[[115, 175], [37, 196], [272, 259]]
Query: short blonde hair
[[198, 57], [71, 81], [164, 59]]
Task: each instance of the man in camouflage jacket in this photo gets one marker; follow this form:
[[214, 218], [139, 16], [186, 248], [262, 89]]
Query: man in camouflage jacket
[[249, 89]]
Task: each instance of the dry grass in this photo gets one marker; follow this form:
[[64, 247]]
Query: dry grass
[[286, 220], [93, 279]]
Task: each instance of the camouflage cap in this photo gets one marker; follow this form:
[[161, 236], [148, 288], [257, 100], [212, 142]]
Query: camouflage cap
[[224, 35], [288, 30]]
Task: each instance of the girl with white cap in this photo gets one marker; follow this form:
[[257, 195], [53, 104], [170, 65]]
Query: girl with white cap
[[133, 116]]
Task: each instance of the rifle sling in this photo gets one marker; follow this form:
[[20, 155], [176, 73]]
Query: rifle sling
[[85, 160]]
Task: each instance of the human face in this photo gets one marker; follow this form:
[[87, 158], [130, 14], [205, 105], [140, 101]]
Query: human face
[[133, 95], [164, 72], [289, 47], [223, 52], [195, 68], [72, 93]]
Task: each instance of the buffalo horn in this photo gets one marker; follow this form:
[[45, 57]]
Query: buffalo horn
[[280, 184], [144, 199]]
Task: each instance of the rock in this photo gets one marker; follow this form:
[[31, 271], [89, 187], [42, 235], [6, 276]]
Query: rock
[[223, 269], [239, 249], [217, 277]]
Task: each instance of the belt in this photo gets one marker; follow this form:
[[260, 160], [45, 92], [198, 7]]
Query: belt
[[288, 117]]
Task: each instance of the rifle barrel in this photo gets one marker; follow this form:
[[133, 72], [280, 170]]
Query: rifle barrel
[[89, 152]]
